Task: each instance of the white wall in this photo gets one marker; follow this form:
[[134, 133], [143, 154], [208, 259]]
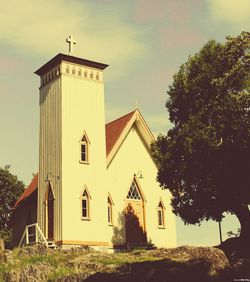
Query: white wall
[[131, 158]]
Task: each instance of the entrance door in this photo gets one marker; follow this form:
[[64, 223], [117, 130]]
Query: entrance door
[[134, 217], [50, 215]]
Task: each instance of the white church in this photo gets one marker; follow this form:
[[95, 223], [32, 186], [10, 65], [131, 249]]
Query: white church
[[96, 184]]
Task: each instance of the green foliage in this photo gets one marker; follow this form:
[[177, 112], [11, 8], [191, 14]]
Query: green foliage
[[204, 159], [10, 190]]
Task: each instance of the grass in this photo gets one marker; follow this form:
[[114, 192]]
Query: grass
[[54, 264]]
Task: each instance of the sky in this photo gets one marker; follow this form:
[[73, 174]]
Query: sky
[[143, 41]]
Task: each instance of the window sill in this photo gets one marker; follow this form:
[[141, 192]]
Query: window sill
[[161, 227], [82, 162], [110, 224], [85, 219]]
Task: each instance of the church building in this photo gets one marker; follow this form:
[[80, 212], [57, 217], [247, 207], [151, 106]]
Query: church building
[[96, 184]]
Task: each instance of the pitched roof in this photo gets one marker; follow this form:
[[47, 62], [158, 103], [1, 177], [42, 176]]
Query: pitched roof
[[29, 190], [114, 130]]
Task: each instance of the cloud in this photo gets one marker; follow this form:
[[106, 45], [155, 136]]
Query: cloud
[[40, 28], [180, 37], [230, 11]]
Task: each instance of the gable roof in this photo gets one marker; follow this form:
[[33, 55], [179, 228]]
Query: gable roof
[[116, 131], [119, 130], [29, 190]]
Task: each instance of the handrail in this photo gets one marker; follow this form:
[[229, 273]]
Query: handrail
[[39, 237]]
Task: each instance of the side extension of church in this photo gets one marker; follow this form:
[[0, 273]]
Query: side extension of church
[[96, 183]]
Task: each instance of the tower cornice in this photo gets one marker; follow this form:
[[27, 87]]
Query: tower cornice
[[71, 59]]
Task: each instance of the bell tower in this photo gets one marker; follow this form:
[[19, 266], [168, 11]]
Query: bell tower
[[72, 149]]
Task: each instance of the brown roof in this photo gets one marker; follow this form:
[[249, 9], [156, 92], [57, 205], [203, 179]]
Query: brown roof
[[113, 132], [29, 190]]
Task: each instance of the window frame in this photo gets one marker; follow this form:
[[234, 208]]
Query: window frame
[[160, 212], [110, 210], [85, 196], [84, 141]]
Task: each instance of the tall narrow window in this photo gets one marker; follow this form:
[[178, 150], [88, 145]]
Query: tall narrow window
[[161, 219], [110, 211], [84, 149], [85, 205]]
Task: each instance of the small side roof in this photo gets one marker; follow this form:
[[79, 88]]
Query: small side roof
[[28, 191]]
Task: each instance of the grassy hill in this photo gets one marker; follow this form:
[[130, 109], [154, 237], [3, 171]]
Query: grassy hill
[[178, 264]]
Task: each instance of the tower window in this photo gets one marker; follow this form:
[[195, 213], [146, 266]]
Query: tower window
[[85, 205], [161, 219], [84, 149]]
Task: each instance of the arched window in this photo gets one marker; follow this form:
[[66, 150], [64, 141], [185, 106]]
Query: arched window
[[160, 213], [134, 192], [67, 69], [84, 148], [73, 70], [85, 205], [79, 72], [110, 210], [91, 74], [97, 76], [85, 73]]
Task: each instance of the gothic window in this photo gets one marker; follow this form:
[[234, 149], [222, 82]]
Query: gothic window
[[133, 192], [85, 205], [110, 211], [67, 69], [91, 75], [79, 72], [84, 149], [97, 76], [160, 211]]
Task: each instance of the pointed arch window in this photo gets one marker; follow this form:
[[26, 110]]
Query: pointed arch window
[[84, 149], [85, 205], [134, 192], [110, 210], [160, 214]]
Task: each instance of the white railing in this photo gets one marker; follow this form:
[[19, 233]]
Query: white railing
[[32, 235]]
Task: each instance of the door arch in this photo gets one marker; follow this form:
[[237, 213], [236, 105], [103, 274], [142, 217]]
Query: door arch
[[135, 215]]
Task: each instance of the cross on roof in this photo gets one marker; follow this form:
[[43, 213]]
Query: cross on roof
[[71, 42]]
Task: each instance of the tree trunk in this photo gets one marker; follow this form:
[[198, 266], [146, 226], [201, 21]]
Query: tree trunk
[[243, 214]]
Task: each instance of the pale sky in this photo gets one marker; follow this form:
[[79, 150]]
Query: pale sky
[[143, 41]]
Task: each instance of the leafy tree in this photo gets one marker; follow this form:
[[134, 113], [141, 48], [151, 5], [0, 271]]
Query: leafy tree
[[205, 158], [10, 190]]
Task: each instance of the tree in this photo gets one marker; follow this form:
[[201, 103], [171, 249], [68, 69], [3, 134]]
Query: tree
[[205, 158], [10, 190]]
